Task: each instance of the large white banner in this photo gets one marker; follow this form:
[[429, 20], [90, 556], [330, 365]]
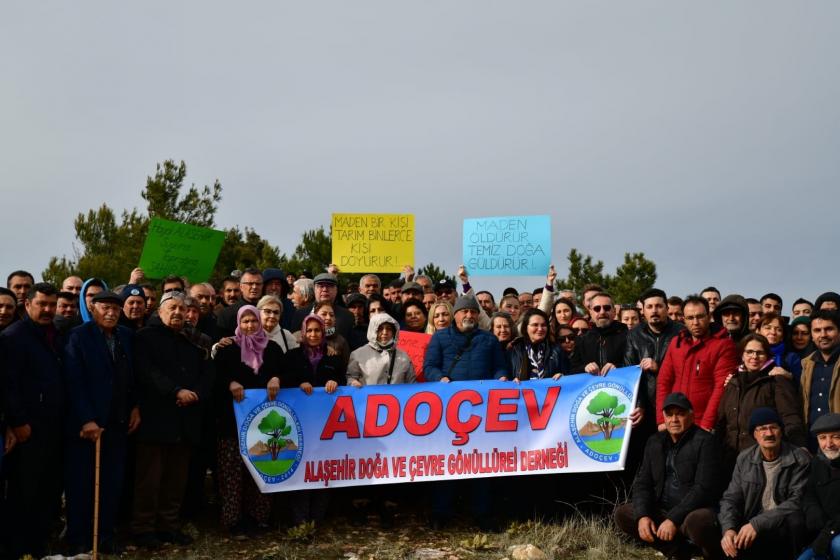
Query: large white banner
[[436, 431]]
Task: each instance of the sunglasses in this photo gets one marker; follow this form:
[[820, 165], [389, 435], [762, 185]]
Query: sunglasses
[[581, 330], [599, 308], [566, 338]]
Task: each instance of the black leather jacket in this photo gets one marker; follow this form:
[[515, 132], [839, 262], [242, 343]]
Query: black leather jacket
[[644, 343], [601, 345]]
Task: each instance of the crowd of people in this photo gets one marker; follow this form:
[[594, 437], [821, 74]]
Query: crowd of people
[[735, 446]]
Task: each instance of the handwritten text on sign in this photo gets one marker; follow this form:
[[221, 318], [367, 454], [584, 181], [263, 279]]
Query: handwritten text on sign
[[415, 344], [180, 249], [509, 245], [372, 242]]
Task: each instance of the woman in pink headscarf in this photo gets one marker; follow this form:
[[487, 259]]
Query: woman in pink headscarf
[[253, 361], [310, 366]]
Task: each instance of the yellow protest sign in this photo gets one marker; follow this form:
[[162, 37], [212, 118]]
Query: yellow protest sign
[[372, 242]]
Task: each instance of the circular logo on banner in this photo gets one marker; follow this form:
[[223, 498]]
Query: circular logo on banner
[[598, 420], [271, 440]]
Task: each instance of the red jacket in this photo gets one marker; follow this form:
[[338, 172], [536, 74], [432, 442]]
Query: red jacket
[[697, 368]]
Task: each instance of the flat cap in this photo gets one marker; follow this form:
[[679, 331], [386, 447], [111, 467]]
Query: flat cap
[[107, 297], [354, 299], [326, 278], [826, 423], [412, 287]]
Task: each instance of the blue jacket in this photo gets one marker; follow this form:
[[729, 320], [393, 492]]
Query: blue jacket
[[481, 356], [89, 375], [34, 392]]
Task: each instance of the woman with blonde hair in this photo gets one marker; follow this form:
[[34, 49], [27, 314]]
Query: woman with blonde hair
[[440, 316]]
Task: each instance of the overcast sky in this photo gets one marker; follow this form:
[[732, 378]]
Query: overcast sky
[[706, 135]]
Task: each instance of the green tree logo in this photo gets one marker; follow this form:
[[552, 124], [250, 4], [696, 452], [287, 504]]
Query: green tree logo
[[605, 406], [274, 426]]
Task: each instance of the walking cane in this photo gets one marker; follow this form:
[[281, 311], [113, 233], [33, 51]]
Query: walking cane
[[96, 499]]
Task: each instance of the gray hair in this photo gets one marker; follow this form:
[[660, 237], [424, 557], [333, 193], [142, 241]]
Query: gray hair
[[270, 298], [306, 287]]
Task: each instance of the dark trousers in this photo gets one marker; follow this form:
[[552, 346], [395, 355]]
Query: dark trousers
[[445, 492], [159, 486], [783, 542], [308, 505], [699, 526], [79, 468], [34, 470]]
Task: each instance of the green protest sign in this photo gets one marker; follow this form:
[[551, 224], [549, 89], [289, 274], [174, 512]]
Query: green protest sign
[[181, 249]]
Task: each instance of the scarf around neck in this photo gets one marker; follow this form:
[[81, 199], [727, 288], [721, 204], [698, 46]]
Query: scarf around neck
[[251, 346]]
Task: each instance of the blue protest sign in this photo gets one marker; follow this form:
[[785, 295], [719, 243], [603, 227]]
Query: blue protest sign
[[507, 245]]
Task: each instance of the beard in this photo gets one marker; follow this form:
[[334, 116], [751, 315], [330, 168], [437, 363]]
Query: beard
[[467, 325], [831, 455]]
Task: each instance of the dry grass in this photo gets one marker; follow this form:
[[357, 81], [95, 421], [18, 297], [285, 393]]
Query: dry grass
[[579, 537]]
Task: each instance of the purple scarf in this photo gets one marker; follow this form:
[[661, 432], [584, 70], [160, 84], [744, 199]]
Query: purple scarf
[[314, 354], [251, 346]]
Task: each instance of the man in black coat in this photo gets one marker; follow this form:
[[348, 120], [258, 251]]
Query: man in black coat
[[603, 347], [99, 376], [647, 344], [174, 379], [676, 487], [34, 405], [821, 503]]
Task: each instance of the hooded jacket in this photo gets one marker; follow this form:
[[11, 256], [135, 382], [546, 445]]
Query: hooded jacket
[[83, 310], [371, 363], [738, 303], [697, 368], [747, 391]]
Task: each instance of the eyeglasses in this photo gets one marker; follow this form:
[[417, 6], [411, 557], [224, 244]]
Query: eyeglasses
[[767, 428], [605, 308], [270, 311], [756, 353], [566, 338], [251, 283]]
